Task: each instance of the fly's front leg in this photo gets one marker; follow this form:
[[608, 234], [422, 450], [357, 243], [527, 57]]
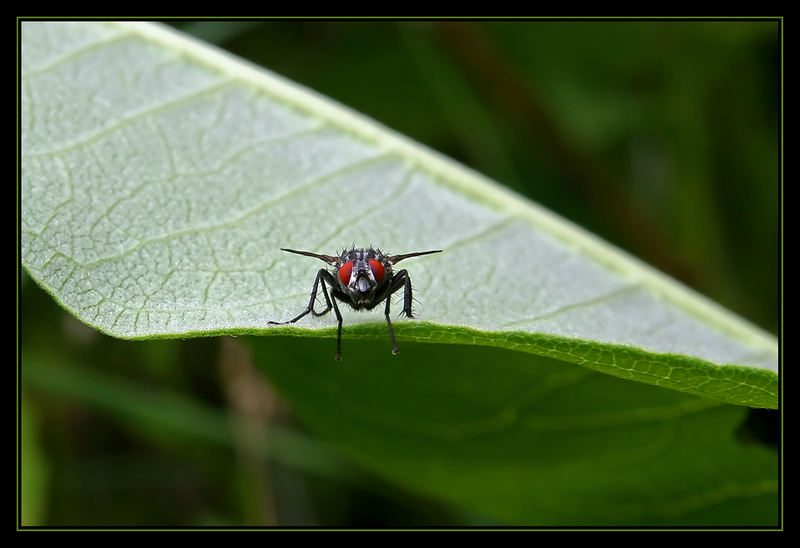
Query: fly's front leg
[[325, 293], [331, 302], [402, 279], [322, 276], [399, 280]]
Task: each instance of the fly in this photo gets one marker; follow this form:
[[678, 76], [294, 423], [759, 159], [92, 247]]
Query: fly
[[362, 279]]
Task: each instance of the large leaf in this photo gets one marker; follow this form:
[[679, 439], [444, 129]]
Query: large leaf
[[161, 177]]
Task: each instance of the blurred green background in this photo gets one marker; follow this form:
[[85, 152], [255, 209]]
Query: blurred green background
[[660, 136]]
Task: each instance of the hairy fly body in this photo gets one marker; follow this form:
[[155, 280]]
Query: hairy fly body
[[362, 279]]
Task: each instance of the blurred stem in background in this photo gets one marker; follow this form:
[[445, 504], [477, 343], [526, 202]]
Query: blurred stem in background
[[252, 406]]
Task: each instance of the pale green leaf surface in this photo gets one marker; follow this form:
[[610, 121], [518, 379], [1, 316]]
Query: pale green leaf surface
[[160, 177]]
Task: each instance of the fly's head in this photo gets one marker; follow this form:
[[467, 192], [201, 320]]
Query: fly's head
[[361, 272]]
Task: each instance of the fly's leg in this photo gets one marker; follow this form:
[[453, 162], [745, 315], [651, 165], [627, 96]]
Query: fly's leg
[[399, 280], [338, 356], [402, 279], [389, 322], [407, 294], [327, 299], [322, 277]]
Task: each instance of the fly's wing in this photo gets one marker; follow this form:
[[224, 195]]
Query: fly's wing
[[394, 259], [333, 261]]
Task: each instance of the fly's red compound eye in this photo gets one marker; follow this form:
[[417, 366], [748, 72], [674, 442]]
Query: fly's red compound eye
[[377, 269], [344, 272]]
